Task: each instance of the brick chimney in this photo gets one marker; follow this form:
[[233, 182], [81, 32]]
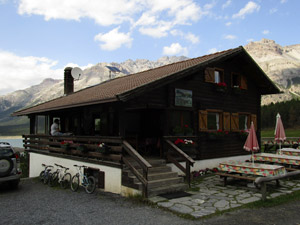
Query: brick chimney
[[68, 81]]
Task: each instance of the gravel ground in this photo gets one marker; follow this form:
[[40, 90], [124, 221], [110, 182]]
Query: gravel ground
[[35, 203]]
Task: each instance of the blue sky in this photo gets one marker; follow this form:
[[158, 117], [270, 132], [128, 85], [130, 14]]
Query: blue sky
[[40, 37]]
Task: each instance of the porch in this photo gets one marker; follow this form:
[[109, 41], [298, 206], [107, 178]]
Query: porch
[[118, 153]]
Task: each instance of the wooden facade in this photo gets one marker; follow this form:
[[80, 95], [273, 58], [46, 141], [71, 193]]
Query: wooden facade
[[193, 97]]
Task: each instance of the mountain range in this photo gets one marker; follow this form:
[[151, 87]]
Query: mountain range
[[280, 63]]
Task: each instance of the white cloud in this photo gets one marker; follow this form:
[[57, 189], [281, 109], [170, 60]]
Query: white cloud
[[229, 37], [113, 39], [175, 49], [152, 17], [226, 4], [250, 8], [273, 10], [228, 24], [250, 40], [266, 32], [189, 36], [283, 1], [212, 50], [19, 72]]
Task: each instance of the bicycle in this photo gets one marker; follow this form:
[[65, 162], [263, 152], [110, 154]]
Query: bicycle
[[88, 182], [60, 176], [46, 173]]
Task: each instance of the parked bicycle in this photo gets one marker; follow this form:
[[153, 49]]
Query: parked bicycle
[[88, 182], [60, 176], [46, 173]]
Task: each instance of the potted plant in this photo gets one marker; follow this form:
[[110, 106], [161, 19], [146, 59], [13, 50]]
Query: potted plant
[[217, 135], [82, 148], [66, 145], [237, 89], [183, 130], [243, 134], [185, 144], [103, 149], [221, 87]]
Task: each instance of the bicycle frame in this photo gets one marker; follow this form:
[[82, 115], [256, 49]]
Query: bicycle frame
[[82, 177]]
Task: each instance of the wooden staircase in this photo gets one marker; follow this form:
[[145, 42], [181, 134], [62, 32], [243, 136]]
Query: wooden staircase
[[161, 179]]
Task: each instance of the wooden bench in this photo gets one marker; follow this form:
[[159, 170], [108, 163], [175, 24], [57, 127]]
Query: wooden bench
[[259, 182]]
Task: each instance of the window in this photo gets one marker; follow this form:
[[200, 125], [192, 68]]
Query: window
[[101, 124], [242, 121], [181, 122], [41, 124], [211, 120], [214, 75], [238, 81]]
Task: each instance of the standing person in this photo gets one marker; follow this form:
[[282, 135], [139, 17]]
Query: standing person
[[55, 128]]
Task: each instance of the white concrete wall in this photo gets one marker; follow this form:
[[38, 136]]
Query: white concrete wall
[[113, 176], [209, 163]]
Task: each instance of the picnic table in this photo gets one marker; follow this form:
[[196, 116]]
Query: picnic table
[[290, 151], [276, 158], [256, 169], [259, 173]]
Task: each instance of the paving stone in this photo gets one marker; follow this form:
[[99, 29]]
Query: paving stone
[[234, 205], [156, 199], [181, 208], [165, 204], [220, 197], [221, 204], [245, 195], [221, 194], [296, 189], [212, 209], [248, 200], [274, 195], [207, 204], [181, 199], [198, 201], [189, 203]]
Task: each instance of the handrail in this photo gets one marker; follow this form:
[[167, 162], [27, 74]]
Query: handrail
[[189, 161], [145, 165]]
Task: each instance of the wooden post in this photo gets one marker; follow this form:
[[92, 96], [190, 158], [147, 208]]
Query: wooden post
[[188, 173], [145, 186], [263, 189]]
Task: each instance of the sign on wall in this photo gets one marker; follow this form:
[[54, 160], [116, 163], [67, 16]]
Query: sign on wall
[[183, 97]]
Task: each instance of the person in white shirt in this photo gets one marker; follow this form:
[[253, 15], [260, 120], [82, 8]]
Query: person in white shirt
[[55, 128]]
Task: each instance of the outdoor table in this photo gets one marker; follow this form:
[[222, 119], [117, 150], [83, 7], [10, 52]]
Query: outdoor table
[[249, 168], [290, 151], [276, 158]]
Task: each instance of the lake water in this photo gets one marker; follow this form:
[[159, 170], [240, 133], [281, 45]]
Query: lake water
[[13, 142]]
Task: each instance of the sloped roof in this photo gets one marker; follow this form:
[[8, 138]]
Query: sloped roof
[[113, 90]]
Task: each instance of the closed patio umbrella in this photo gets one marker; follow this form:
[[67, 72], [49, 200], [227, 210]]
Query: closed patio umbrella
[[251, 143], [279, 131]]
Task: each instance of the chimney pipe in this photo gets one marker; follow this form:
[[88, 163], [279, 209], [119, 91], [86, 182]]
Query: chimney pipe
[[68, 81]]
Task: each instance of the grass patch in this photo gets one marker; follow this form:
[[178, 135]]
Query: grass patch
[[288, 133]]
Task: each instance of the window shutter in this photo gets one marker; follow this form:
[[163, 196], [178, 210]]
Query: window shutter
[[202, 120], [226, 121], [244, 82], [253, 118], [209, 75], [234, 122]]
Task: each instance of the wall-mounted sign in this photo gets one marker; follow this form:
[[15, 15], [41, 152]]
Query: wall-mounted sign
[[183, 98]]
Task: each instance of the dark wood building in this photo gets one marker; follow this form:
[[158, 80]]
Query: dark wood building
[[210, 100]]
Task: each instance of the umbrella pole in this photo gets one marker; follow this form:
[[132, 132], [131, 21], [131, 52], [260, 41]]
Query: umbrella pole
[[252, 158]]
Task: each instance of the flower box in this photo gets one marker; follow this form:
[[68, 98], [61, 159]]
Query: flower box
[[66, 145], [237, 90], [221, 87], [82, 148], [103, 149]]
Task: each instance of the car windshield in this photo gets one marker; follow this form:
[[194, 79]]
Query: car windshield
[[6, 151]]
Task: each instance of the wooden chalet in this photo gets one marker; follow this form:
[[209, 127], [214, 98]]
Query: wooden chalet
[[209, 100]]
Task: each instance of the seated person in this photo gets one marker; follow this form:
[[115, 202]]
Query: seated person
[[55, 129]]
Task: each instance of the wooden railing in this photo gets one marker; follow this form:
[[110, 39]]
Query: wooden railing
[[142, 162], [46, 143], [188, 160], [268, 144]]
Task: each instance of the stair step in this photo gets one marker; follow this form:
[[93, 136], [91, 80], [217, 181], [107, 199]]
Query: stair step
[[155, 176], [153, 170], [167, 189], [162, 182]]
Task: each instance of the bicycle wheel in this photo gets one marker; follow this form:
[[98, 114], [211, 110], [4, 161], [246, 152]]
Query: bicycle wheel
[[46, 177], [91, 186], [53, 179], [65, 181], [75, 182], [41, 177]]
